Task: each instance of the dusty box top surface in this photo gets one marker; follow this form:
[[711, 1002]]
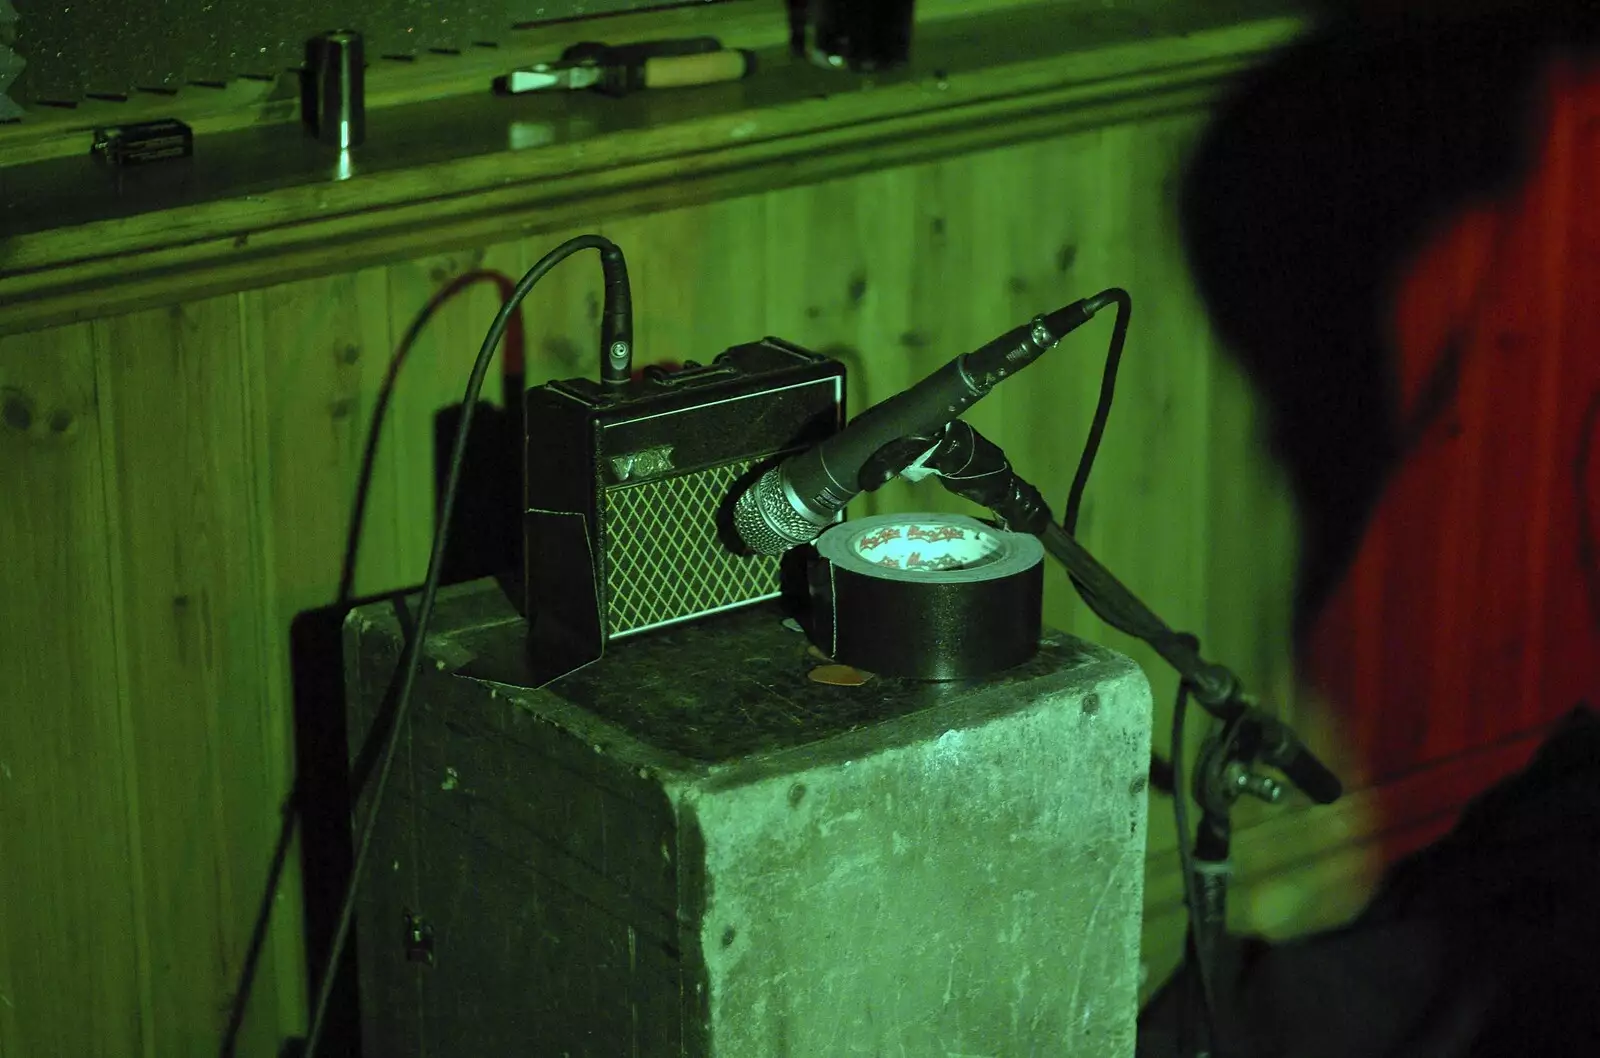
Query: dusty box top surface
[[717, 689]]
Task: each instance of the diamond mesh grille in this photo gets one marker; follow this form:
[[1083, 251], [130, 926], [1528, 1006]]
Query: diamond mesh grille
[[666, 560]]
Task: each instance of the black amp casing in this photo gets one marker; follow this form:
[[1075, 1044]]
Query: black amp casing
[[629, 491]]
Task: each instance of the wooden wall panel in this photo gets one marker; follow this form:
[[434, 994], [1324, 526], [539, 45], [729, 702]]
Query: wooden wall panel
[[315, 353], [320, 348], [1147, 518], [843, 261], [207, 741], [698, 281], [74, 904], [433, 378]]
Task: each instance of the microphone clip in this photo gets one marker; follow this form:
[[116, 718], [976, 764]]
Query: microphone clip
[[1249, 735], [968, 465], [904, 457], [1225, 769]]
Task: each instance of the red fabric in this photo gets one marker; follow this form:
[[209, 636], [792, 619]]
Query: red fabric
[[1472, 612]]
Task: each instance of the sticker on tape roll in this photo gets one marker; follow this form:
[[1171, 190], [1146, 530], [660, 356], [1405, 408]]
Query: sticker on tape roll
[[927, 596]]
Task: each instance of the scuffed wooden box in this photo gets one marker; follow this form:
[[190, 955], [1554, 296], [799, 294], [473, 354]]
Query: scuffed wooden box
[[691, 849]]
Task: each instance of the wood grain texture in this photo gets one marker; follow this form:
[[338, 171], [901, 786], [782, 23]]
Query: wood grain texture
[[322, 347], [73, 901], [315, 354], [432, 379], [207, 741]]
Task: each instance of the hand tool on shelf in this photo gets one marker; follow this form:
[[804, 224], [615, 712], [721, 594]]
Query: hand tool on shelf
[[620, 70]]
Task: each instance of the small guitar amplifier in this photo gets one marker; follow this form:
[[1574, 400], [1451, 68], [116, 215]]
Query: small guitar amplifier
[[629, 489]]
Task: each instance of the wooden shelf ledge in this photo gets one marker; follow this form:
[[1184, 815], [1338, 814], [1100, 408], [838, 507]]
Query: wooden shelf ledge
[[263, 205]]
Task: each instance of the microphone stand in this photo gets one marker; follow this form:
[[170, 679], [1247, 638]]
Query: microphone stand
[[973, 467]]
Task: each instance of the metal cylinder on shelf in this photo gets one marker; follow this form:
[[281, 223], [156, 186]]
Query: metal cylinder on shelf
[[335, 89]]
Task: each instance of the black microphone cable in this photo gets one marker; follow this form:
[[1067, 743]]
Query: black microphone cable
[[1108, 387], [617, 329]]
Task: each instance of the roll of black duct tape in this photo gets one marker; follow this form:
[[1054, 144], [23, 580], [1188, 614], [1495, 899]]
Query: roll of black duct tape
[[926, 596]]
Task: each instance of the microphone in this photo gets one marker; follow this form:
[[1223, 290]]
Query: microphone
[[793, 503]]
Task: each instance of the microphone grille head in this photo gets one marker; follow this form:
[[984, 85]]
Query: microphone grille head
[[767, 520]]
